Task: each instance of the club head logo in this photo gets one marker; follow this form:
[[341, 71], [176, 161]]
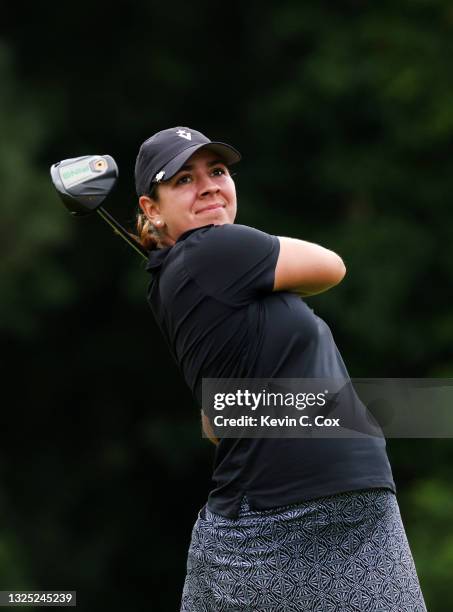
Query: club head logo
[[100, 165]]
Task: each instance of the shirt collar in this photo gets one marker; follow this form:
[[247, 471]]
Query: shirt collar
[[188, 232], [158, 256]]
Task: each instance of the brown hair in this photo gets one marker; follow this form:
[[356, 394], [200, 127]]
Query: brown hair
[[147, 234]]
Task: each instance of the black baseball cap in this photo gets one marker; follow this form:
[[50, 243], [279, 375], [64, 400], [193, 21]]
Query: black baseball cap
[[163, 154]]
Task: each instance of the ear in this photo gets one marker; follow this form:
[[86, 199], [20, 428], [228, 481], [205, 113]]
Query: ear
[[150, 207]]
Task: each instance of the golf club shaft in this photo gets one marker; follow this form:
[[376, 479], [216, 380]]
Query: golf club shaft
[[119, 229]]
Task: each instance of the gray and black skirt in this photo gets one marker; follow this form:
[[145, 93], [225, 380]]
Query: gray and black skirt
[[343, 553]]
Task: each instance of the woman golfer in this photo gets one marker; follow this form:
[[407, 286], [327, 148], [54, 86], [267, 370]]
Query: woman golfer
[[291, 524]]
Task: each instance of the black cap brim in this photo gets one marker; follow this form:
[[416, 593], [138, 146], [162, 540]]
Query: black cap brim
[[227, 153]]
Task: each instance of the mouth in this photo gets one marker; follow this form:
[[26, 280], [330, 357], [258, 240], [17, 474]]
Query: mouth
[[210, 208]]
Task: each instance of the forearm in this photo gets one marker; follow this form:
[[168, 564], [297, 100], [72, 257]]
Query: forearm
[[207, 429]]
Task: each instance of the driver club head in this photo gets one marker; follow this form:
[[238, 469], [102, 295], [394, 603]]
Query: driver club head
[[84, 182]]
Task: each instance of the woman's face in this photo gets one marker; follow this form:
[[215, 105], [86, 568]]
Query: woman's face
[[201, 193]]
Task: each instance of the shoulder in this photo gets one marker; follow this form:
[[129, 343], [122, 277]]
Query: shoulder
[[230, 252], [218, 238]]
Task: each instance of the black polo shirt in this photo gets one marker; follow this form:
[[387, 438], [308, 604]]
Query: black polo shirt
[[212, 296]]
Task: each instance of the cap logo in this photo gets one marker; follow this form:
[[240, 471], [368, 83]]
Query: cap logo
[[184, 134], [159, 176]]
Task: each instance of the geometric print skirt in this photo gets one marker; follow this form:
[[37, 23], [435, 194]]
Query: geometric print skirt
[[343, 553]]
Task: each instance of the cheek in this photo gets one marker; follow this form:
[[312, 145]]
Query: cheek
[[231, 210], [229, 188], [233, 196], [179, 207]]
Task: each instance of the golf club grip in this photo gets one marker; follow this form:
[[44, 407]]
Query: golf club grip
[[119, 229]]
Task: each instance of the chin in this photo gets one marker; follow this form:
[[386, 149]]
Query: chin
[[221, 217]]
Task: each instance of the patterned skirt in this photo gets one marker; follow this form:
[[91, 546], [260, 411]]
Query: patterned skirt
[[343, 553]]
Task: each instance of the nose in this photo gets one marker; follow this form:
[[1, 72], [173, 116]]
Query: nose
[[208, 186]]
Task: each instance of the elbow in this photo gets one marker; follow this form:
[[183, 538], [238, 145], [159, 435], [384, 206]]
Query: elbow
[[341, 270], [332, 277], [338, 272]]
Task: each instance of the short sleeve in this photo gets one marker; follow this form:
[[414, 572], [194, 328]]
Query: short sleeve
[[232, 263]]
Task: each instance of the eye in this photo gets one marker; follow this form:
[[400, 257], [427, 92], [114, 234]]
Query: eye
[[219, 171], [183, 180]]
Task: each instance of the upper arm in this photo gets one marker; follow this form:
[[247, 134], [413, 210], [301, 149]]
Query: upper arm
[[306, 268]]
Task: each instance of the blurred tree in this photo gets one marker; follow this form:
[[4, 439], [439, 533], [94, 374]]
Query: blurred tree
[[32, 229]]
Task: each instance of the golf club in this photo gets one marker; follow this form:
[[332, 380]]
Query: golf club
[[83, 183]]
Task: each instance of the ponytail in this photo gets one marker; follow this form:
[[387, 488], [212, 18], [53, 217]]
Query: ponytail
[[147, 235]]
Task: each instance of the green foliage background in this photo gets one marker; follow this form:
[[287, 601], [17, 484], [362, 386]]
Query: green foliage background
[[344, 115]]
